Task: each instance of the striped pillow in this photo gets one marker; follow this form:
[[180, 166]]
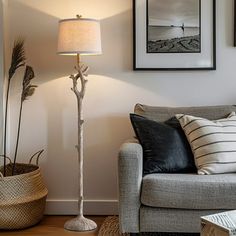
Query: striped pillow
[[213, 143]]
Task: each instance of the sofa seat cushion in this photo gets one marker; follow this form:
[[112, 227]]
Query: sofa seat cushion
[[189, 191]]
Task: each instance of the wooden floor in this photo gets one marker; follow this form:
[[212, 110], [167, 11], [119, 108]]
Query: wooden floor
[[53, 225]]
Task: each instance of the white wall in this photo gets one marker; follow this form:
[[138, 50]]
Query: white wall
[[49, 118]]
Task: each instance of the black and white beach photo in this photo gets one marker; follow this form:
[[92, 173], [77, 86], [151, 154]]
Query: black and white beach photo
[[173, 26]]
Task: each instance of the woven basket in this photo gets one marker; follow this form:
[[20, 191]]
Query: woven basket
[[22, 196]]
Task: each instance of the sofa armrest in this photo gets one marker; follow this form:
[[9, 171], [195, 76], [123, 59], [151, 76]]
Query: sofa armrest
[[130, 168]]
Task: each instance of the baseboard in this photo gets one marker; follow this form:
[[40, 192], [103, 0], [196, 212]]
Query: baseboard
[[91, 207]]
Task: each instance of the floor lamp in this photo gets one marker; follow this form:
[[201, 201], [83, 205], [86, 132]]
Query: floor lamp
[[79, 36]]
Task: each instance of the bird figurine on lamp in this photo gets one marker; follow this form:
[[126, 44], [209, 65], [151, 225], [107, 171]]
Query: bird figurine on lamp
[[79, 36]]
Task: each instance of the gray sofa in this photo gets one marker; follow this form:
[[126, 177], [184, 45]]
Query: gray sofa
[[170, 202]]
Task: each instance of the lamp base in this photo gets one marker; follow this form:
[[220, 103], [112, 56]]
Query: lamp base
[[80, 224]]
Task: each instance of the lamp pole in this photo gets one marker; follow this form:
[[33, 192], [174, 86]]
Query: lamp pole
[[80, 223]]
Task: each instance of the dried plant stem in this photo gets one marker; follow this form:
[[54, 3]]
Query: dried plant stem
[[5, 128], [17, 61], [27, 91], [18, 137]]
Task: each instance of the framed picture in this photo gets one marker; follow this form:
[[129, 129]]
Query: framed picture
[[174, 34]]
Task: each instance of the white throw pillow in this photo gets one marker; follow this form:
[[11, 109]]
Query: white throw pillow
[[213, 143]]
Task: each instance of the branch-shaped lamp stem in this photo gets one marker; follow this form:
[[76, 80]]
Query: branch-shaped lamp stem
[[80, 223]]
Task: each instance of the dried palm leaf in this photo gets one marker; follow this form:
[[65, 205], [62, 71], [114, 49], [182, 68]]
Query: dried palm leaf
[[28, 88], [18, 57]]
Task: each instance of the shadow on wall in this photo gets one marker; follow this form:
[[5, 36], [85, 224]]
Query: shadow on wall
[[40, 33]]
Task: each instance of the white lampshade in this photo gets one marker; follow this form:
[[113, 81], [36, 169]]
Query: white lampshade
[[79, 36]]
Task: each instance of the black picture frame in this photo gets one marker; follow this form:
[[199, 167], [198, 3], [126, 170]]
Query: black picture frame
[[147, 68], [234, 23]]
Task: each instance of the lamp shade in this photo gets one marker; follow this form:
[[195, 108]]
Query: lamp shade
[[79, 36]]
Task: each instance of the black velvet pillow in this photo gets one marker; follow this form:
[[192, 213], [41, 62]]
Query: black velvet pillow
[[165, 147]]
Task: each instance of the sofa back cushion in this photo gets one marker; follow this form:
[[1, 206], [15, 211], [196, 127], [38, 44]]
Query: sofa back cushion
[[213, 143], [165, 147], [161, 114]]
